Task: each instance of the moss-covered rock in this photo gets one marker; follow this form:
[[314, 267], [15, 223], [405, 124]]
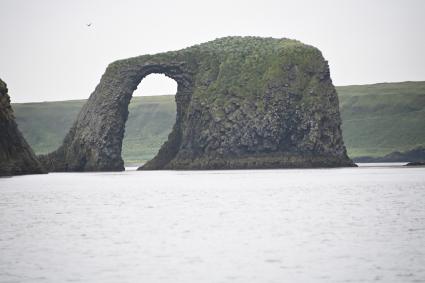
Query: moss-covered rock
[[16, 156], [242, 102]]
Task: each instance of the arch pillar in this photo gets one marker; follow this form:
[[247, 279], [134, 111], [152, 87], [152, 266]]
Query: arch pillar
[[94, 142]]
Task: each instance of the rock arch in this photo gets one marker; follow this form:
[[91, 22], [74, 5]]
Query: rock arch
[[94, 142], [242, 102], [16, 156]]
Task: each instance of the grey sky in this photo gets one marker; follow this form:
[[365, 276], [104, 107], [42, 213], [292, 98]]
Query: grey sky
[[48, 53]]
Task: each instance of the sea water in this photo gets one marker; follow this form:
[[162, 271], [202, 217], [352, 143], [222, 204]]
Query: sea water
[[313, 225]]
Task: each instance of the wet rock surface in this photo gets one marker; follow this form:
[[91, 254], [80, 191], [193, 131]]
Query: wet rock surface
[[16, 156], [242, 102]]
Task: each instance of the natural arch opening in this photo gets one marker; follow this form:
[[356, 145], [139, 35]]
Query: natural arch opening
[[152, 114]]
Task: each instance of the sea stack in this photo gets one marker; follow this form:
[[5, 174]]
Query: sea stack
[[242, 102], [16, 156]]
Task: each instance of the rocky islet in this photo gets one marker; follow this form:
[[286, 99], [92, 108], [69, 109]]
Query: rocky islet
[[16, 156], [242, 102]]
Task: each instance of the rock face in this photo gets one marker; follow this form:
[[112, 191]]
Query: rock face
[[242, 102], [417, 163], [16, 156]]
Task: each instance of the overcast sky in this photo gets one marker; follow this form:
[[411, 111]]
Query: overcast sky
[[47, 52]]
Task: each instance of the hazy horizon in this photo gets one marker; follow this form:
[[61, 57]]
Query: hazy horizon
[[49, 53]]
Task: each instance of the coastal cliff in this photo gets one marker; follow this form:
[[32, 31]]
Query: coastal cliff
[[16, 156]]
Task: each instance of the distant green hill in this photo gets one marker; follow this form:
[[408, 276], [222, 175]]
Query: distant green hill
[[377, 119], [381, 118], [45, 124], [149, 123]]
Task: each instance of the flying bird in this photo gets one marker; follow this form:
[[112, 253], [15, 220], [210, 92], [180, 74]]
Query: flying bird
[[89, 24]]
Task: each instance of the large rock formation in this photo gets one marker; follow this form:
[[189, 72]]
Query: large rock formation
[[16, 156], [242, 102]]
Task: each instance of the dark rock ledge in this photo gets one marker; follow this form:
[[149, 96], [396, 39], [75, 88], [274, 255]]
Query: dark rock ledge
[[416, 163]]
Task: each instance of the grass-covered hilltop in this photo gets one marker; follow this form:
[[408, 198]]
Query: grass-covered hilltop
[[370, 127], [241, 102]]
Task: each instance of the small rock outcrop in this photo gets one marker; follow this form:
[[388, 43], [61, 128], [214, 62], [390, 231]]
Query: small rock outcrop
[[417, 163], [413, 155], [16, 156], [242, 102]]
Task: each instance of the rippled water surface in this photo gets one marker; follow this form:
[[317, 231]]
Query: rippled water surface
[[325, 225]]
